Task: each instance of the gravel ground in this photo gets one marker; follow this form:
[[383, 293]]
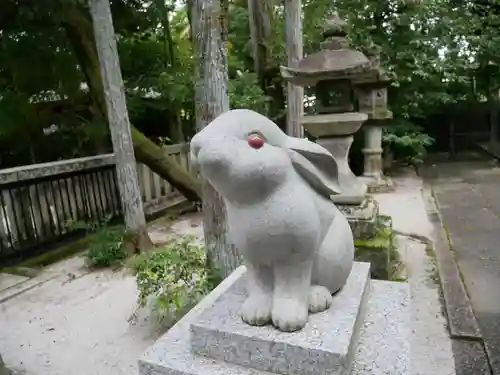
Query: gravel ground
[[78, 322]]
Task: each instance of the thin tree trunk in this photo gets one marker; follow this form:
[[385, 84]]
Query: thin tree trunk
[[166, 167], [294, 47], [260, 32], [79, 31], [176, 132], [265, 66], [189, 13], [114, 93], [211, 98]]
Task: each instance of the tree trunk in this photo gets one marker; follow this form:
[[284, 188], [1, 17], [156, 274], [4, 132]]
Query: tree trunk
[[166, 167], [79, 31], [176, 133], [294, 46], [211, 98], [119, 125], [265, 66], [260, 32]]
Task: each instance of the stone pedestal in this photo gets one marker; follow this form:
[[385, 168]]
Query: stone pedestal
[[327, 341], [366, 331], [372, 236], [373, 175], [362, 218], [335, 133], [373, 152], [353, 189]]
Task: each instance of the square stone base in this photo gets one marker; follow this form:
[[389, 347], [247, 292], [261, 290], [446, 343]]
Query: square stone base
[[382, 347], [362, 218], [383, 184], [324, 346]]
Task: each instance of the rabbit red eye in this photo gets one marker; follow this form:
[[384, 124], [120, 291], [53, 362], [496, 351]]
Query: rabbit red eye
[[255, 141]]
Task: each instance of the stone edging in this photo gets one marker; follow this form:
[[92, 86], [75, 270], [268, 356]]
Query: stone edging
[[469, 349], [462, 323], [24, 286]]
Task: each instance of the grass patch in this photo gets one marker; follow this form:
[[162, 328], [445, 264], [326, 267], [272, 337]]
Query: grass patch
[[107, 249]]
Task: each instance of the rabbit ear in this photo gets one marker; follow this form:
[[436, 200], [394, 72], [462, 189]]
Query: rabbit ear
[[315, 165]]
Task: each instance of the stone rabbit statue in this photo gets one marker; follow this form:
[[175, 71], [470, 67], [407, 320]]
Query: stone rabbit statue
[[297, 246]]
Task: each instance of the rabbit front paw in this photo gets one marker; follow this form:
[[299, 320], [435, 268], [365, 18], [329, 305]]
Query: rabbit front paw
[[320, 299], [289, 315], [256, 310]]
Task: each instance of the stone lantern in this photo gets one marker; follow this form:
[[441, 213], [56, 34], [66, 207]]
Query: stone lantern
[[332, 71], [371, 92]]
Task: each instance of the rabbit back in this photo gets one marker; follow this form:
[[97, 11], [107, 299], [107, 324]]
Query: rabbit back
[[335, 256]]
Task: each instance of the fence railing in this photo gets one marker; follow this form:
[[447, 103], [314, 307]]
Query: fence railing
[[156, 192], [39, 204]]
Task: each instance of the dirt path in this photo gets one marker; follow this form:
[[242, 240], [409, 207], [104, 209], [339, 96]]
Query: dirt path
[[78, 322]]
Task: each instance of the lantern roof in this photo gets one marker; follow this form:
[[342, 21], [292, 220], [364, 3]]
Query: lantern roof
[[334, 26], [335, 61], [377, 76]]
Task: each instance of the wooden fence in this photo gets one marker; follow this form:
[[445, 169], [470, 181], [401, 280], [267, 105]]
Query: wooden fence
[[157, 194], [43, 203]]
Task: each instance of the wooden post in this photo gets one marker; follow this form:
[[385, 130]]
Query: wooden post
[[211, 98], [294, 50], [116, 108]]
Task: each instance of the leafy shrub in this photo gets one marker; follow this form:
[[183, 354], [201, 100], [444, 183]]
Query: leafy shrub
[[107, 249], [173, 278], [407, 141], [245, 92]]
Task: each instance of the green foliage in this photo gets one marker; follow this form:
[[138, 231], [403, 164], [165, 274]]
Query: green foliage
[[173, 278], [437, 52], [244, 92], [407, 141], [106, 248]]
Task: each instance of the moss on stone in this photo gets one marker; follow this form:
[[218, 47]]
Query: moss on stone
[[381, 252], [378, 250], [448, 237], [382, 239], [399, 279], [22, 271], [385, 218], [429, 250]]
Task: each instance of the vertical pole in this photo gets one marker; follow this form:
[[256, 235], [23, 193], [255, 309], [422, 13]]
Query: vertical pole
[[212, 99], [294, 50], [118, 119]]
